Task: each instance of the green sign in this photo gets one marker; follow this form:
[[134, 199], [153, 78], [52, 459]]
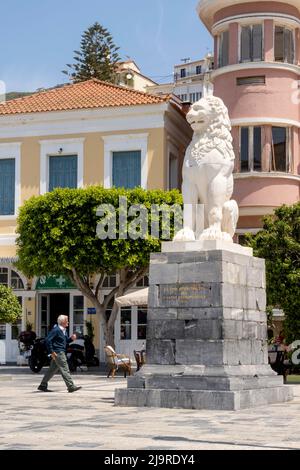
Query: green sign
[[54, 282]]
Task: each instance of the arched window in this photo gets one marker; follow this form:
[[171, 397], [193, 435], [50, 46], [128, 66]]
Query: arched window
[[9, 278]]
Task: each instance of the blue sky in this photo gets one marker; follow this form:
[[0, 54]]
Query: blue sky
[[38, 37]]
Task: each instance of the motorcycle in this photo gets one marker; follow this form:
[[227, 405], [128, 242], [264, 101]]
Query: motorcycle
[[34, 350], [81, 352], [38, 357]]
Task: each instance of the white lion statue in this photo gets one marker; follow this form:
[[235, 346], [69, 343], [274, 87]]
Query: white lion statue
[[207, 173]]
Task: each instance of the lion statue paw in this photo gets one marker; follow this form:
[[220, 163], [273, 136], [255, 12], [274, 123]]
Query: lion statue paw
[[212, 233], [185, 235]]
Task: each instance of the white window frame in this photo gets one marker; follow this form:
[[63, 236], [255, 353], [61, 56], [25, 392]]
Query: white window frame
[[124, 143], [60, 148], [250, 148], [21, 276], [13, 151]]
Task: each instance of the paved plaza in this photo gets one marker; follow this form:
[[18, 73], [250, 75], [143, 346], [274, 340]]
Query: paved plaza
[[88, 419]]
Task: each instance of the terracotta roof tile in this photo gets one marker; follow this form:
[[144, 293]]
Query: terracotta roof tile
[[84, 95]]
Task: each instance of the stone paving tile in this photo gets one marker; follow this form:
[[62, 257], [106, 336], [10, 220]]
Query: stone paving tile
[[88, 419]]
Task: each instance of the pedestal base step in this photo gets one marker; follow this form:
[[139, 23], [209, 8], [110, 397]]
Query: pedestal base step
[[202, 399]]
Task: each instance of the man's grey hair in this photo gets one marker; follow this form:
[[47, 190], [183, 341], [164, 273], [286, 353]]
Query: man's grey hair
[[62, 318]]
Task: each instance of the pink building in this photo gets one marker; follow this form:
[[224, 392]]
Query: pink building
[[257, 74]]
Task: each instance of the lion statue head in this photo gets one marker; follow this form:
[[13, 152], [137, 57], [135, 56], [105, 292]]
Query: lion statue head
[[210, 122]]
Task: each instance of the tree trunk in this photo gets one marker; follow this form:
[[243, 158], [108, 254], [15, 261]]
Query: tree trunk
[[111, 325], [102, 324], [110, 339]]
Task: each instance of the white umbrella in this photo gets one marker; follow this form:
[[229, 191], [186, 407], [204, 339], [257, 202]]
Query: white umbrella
[[138, 297]]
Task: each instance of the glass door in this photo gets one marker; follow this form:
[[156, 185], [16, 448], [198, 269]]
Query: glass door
[[77, 318]]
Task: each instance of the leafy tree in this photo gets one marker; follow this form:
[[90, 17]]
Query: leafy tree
[[97, 57], [279, 244], [57, 235], [10, 308]]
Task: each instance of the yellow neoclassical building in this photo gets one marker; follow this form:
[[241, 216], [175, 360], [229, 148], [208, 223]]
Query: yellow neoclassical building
[[90, 133]]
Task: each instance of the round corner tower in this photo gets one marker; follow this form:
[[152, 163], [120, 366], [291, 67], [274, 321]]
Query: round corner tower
[[257, 74]]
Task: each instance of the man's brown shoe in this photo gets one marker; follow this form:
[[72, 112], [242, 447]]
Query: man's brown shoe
[[71, 390]]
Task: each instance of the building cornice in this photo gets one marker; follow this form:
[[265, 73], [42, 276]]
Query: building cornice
[[265, 120], [269, 175], [83, 121], [284, 19], [255, 66], [206, 9]]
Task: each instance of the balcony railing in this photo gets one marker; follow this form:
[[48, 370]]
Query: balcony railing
[[177, 76]]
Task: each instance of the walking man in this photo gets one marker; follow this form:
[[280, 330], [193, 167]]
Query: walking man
[[56, 343]]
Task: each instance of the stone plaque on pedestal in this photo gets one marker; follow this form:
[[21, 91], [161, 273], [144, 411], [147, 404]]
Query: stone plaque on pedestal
[[206, 333]]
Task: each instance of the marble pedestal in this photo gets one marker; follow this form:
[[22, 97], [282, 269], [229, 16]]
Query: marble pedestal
[[206, 333]]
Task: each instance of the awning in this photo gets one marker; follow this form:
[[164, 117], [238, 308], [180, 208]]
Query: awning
[[138, 297]]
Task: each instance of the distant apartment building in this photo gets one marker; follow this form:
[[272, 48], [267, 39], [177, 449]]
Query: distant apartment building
[[256, 73], [188, 80]]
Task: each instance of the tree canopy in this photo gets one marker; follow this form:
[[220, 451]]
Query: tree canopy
[[10, 308], [57, 235], [97, 57], [279, 244]]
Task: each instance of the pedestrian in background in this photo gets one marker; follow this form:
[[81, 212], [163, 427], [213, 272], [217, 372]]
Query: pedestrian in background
[[56, 343]]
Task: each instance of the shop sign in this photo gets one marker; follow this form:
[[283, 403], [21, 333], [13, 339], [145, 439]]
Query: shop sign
[[91, 311], [60, 282]]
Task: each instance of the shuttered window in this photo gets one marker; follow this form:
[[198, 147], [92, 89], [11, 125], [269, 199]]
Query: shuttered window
[[246, 44], [7, 186], [62, 172], [257, 42], [257, 80], [224, 49], [126, 171], [251, 43], [289, 46], [284, 45]]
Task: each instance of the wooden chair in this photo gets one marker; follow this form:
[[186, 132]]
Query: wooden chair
[[117, 361], [140, 357]]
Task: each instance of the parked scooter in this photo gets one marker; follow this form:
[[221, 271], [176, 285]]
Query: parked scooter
[[33, 349], [81, 352], [38, 357]]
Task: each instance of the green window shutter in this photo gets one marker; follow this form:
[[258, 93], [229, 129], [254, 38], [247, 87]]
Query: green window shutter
[[7, 186], [62, 172], [126, 171]]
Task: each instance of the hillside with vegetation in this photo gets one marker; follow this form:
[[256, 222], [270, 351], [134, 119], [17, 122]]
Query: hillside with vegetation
[[17, 94]]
